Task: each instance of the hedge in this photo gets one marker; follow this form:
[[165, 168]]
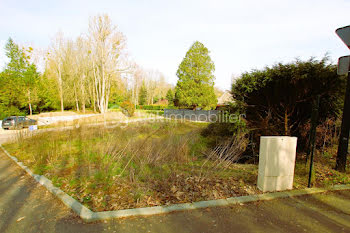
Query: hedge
[[155, 107]]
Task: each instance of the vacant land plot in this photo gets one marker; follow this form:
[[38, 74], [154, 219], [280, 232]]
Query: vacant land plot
[[133, 166], [146, 164]]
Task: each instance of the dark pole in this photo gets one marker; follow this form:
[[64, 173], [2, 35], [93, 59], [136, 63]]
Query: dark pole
[[344, 132], [308, 148], [314, 121]]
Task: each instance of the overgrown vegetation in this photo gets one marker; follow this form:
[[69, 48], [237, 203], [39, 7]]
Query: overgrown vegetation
[[136, 165], [278, 100], [150, 164]]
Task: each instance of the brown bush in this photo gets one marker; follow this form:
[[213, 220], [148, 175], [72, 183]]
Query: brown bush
[[127, 108]]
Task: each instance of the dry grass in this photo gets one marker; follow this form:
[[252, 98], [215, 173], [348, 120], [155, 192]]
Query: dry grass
[[323, 174], [148, 164], [133, 166]]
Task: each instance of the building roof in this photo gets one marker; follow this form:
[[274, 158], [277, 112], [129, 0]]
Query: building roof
[[225, 98]]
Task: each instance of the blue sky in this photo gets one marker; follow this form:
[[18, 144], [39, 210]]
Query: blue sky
[[241, 35]]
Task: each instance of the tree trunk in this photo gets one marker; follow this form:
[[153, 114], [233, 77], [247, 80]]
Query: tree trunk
[[62, 107], [30, 104], [93, 98], [30, 109], [83, 95], [60, 87], [77, 104], [76, 99], [325, 138], [108, 89], [344, 132], [83, 106], [286, 127], [103, 91]]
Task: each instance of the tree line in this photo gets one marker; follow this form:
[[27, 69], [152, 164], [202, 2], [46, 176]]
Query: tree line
[[93, 71]]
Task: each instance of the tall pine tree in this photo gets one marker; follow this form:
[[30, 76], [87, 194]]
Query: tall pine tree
[[195, 87], [170, 96], [143, 94], [17, 81]]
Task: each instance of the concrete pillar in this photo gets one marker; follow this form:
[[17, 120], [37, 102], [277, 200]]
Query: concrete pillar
[[276, 163]]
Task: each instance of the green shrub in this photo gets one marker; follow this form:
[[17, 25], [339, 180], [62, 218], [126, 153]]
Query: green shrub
[[278, 100], [113, 106], [155, 107], [127, 108], [155, 112]]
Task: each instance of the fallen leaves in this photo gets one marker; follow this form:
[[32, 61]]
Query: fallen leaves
[[177, 188]]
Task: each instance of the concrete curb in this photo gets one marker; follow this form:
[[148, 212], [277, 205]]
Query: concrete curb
[[90, 216]]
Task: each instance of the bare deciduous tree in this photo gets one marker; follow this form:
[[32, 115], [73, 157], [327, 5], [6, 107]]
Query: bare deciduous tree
[[94, 68], [107, 47], [55, 63]]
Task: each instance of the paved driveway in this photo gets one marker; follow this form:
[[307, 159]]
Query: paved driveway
[[26, 206]]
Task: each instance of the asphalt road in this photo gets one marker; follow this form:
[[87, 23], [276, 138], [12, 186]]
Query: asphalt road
[[25, 206]]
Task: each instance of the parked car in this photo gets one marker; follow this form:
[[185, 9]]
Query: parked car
[[17, 122]]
